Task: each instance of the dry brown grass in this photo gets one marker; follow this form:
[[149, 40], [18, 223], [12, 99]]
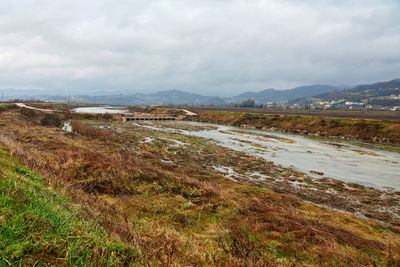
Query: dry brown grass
[[350, 114], [157, 111], [91, 132]]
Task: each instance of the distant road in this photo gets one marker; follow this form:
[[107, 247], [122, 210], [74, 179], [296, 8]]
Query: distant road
[[189, 113], [22, 105], [351, 114]]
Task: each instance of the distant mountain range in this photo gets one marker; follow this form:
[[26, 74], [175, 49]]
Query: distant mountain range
[[374, 94], [160, 98], [175, 97]]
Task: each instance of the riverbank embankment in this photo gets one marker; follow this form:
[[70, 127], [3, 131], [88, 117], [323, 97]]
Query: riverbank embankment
[[376, 131]]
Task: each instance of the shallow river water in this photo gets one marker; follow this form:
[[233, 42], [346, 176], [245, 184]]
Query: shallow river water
[[340, 160], [343, 161]]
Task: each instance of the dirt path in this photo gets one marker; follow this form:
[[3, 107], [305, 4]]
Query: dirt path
[[189, 113], [22, 105]]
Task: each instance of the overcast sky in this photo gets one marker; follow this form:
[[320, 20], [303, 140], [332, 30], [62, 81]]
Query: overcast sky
[[209, 46]]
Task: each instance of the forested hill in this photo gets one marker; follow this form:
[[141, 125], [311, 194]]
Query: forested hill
[[381, 93], [273, 95]]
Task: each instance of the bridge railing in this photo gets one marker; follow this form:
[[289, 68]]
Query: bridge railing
[[149, 118]]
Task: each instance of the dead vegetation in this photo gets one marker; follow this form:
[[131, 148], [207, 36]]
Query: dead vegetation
[[91, 132], [66, 107], [156, 111], [185, 215], [349, 114], [51, 120]]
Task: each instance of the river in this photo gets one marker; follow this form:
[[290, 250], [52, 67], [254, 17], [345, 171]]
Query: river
[[342, 160], [335, 159]]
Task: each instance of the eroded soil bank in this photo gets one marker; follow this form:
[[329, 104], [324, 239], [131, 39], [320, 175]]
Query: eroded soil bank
[[384, 132]]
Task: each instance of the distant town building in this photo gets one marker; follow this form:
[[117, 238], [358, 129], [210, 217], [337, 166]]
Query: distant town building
[[354, 105], [395, 97]]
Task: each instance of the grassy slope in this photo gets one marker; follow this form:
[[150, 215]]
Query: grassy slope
[[38, 224], [357, 129], [6, 106]]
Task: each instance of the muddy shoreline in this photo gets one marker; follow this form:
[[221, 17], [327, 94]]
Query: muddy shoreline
[[363, 201]]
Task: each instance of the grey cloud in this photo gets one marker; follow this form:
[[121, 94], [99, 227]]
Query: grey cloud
[[213, 47]]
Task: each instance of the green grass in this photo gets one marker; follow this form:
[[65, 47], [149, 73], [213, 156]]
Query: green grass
[[4, 106], [40, 225]]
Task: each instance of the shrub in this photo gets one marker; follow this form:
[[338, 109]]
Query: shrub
[[51, 120], [29, 113], [5, 107], [90, 131]]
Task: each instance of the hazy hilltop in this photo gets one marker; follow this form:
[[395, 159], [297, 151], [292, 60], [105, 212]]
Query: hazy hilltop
[[179, 97], [380, 93], [273, 95]]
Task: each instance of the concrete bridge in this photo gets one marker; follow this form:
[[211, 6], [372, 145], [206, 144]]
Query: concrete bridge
[[149, 118]]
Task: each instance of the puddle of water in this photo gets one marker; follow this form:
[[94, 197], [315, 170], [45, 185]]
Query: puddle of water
[[167, 161], [177, 142], [228, 172], [259, 176], [101, 110], [297, 183], [147, 140]]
